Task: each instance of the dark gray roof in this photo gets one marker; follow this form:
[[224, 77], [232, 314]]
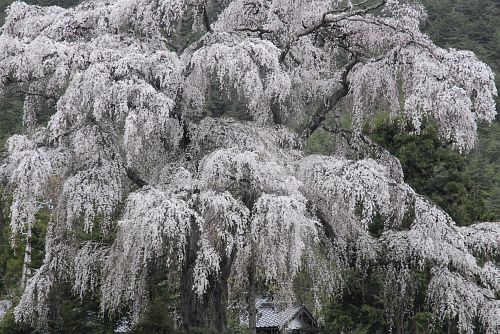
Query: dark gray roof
[[269, 316]]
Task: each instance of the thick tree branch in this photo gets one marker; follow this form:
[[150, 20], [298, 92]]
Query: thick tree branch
[[48, 97], [319, 116], [132, 175], [330, 18], [260, 31], [206, 20], [326, 19]]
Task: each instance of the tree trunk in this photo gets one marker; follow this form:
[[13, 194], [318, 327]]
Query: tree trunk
[[191, 308], [399, 324], [251, 297], [220, 295], [2, 218], [211, 310], [451, 327], [27, 261]]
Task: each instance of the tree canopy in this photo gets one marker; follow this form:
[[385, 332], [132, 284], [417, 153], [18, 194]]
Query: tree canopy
[[140, 173]]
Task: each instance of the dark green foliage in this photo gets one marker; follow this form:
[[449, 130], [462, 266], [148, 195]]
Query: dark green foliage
[[60, 3], [376, 226], [422, 320], [160, 315], [3, 6], [11, 262], [39, 231], [483, 166], [474, 25], [408, 219], [97, 233], [361, 308], [11, 108], [320, 142], [70, 314], [433, 169], [469, 25], [155, 320], [221, 104], [12, 258], [9, 326]]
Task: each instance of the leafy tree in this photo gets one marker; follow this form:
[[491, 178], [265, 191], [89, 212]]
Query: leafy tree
[[483, 166], [361, 308], [226, 203], [474, 25], [433, 169], [8, 325], [471, 25]]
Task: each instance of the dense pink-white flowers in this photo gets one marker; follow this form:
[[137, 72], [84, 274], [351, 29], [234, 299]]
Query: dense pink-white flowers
[[131, 149]]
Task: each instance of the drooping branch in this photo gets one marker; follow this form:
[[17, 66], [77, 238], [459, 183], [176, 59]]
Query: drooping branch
[[320, 114]]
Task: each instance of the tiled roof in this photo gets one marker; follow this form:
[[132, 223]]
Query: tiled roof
[[268, 316]]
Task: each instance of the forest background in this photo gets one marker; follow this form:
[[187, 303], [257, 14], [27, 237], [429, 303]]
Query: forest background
[[466, 187]]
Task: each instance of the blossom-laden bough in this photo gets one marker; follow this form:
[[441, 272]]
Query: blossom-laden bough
[[130, 153]]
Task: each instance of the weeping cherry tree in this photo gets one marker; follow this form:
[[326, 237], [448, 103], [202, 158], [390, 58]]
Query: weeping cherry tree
[[141, 174]]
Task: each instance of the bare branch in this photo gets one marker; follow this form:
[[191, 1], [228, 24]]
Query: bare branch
[[326, 19], [319, 116], [48, 97]]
